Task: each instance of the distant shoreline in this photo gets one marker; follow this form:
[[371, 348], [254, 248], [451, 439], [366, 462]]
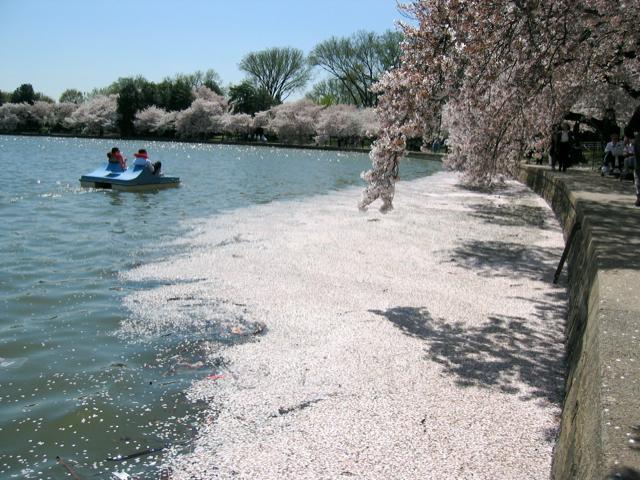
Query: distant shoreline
[[331, 148]]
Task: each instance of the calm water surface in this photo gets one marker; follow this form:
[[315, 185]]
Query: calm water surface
[[70, 386]]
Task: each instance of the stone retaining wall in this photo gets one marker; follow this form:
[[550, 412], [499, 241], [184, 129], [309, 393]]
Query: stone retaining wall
[[600, 408]]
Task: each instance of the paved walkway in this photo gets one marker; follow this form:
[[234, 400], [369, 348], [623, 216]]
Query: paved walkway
[[609, 207]]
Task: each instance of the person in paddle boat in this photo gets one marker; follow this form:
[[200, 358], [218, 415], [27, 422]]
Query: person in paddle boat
[[114, 156], [142, 160]]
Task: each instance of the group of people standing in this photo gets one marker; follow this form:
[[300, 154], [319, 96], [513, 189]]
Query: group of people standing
[[439, 144], [619, 155], [141, 160]]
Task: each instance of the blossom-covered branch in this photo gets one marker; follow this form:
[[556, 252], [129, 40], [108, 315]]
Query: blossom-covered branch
[[506, 72]]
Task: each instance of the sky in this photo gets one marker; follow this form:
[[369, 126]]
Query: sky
[[60, 44]]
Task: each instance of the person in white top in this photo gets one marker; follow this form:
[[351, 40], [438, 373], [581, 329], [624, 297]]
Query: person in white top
[[561, 147], [142, 160], [613, 155]]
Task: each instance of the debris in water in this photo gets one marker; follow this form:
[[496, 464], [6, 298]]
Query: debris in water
[[174, 299], [147, 451], [120, 476], [195, 366], [301, 406], [68, 468]]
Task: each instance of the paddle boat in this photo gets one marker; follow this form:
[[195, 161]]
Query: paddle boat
[[135, 178]]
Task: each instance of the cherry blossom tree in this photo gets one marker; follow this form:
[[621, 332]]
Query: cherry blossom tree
[[294, 121], [205, 93], [368, 123], [95, 116], [62, 111], [25, 117], [13, 116], [261, 119], [507, 71], [239, 124], [155, 120], [339, 121], [203, 117], [42, 114]]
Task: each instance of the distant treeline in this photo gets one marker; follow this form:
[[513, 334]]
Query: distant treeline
[[198, 106]]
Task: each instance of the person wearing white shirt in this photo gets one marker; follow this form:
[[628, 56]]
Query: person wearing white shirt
[[613, 155], [142, 160], [561, 147]]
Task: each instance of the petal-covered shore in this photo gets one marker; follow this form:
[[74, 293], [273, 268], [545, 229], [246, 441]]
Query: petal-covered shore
[[424, 343]]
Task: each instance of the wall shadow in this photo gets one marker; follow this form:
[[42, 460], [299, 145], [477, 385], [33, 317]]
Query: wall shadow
[[615, 228], [510, 215], [498, 188], [507, 259], [501, 353]]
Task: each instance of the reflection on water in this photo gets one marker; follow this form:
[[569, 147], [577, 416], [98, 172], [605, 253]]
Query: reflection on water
[[69, 386], [115, 199]]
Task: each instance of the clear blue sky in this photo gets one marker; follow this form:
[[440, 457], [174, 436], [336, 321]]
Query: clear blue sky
[[83, 44]]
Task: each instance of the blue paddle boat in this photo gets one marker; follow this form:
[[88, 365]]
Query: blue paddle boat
[[136, 178]]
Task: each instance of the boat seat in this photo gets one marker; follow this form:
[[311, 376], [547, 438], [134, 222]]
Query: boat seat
[[114, 167]]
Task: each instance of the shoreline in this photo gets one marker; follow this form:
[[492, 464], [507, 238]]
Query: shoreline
[[451, 346], [409, 153]]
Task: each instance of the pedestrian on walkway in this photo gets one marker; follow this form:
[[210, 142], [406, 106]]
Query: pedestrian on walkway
[[561, 147]]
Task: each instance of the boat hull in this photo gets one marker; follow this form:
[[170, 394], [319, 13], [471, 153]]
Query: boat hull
[[135, 179], [128, 188]]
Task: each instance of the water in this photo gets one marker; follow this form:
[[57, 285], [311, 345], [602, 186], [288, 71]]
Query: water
[[70, 384]]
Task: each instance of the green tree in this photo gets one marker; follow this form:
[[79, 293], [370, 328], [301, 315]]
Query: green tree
[[174, 94], [72, 95], [129, 102], [5, 97], [41, 97], [329, 92], [147, 94], [24, 93], [209, 79], [138, 82], [279, 71], [246, 98], [358, 61], [134, 93]]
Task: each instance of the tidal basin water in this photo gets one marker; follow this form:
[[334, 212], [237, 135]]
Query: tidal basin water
[[73, 384]]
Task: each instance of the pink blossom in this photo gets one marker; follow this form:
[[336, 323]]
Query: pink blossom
[[506, 72], [97, 115]]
